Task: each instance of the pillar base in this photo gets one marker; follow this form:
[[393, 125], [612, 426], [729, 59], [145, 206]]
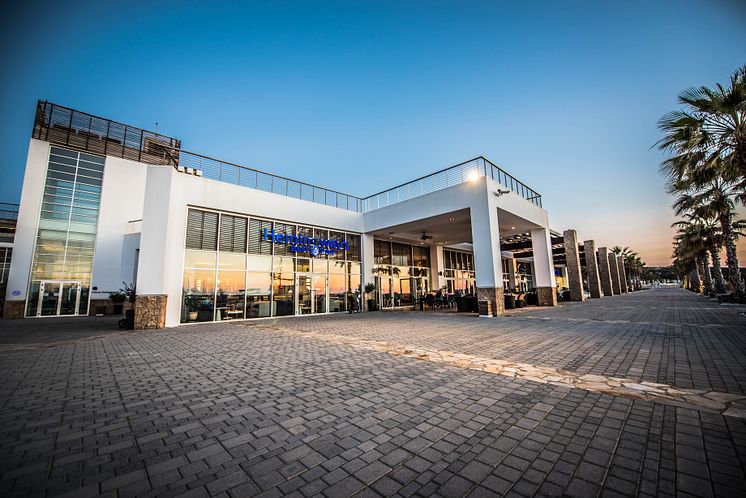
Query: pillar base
[[494, 294], [150, 312], [546, 296], [13, 310]]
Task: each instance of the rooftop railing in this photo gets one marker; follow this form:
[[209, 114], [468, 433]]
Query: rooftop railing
[[453, 175], [83, 131], [65, 126], [244, 176]]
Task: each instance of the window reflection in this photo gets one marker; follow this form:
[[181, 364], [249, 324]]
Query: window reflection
[[199, 295], [230, 283], [229, 304]]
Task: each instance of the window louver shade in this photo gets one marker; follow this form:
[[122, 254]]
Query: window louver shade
[[353, 254], [284, 249], [232, 233], [202, 230], [256, 244]]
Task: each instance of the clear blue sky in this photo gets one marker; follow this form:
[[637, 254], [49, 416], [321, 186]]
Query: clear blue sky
[[360, 96]]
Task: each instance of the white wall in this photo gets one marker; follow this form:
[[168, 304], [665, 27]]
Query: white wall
[[122, 198], [168, 195], [28, 220]]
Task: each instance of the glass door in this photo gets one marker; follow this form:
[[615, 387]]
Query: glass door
[[383, 288], [49, 293], [304, 297], [69, 298], [319, 293], [59, 298]]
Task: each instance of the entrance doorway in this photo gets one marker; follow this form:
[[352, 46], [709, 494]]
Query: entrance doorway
[[58, 298], [311, 293]]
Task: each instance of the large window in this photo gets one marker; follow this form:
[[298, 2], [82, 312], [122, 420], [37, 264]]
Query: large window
[[234, 268], [402, 272], [63, 253], [459, 271]]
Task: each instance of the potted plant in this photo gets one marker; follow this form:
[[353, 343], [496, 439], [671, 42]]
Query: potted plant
[[130, 292], [192, 302], [117, 298], [370, 288]]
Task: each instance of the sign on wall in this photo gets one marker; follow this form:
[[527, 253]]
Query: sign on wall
[[314, 246]]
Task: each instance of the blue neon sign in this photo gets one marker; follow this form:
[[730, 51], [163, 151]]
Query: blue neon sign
[[313, 246]]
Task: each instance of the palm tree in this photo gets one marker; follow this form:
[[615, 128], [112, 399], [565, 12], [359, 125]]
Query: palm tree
[[713, 202], [716, 202], [707, 139], [708, 230], [633, 265], [691, 249]]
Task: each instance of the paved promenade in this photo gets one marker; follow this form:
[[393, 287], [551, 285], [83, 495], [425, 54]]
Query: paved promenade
[[349, 404]]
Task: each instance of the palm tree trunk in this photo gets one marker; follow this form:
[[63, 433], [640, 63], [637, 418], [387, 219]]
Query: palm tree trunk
[[729, 241], [696, 282], [717, 273], [704, 270]]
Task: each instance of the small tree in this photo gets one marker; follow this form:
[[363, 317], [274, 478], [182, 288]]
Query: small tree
[[130, 292], [117, 297]]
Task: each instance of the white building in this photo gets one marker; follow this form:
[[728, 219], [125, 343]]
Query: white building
[[104, 203]]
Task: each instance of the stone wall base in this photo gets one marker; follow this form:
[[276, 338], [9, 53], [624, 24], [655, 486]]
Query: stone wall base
[[13, 310], [494, 294], [104, 306], [546, 296], [150, 312]]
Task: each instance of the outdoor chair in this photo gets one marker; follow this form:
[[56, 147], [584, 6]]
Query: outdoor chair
[[430, 301]]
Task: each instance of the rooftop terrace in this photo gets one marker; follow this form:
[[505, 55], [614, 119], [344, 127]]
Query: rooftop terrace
[[80, 130]]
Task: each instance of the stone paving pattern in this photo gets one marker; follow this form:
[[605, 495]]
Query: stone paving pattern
[[244, 410]]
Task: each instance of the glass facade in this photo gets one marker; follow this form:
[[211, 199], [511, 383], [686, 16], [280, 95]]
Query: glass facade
[[244, 267], [6, 253], [523, 276], [458, 270], [402, 273], [63, 254]]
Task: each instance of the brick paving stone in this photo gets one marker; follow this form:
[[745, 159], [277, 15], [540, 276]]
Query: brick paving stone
[[246, 409]]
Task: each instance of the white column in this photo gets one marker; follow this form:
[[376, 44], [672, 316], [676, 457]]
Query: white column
[[161, 263], [437, 267], [485, 234], [368, 260], [543, 266]]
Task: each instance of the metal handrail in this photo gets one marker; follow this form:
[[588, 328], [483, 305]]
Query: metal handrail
[[64, 125], [83, 131], [245, 176], [447, 177]]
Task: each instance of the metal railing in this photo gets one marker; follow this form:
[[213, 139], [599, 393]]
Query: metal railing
[[244, 176], [237, 174], [453, 175], [65, 126]]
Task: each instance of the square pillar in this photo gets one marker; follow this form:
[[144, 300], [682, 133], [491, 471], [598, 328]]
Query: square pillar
[[437, 267], [572, 258], [368, 260], [485, 235], [541, 245], [622, 274], [604, 271], [591, 264], [614, 266]]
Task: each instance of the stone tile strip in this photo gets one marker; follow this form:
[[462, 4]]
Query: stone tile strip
[[732, 405]]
